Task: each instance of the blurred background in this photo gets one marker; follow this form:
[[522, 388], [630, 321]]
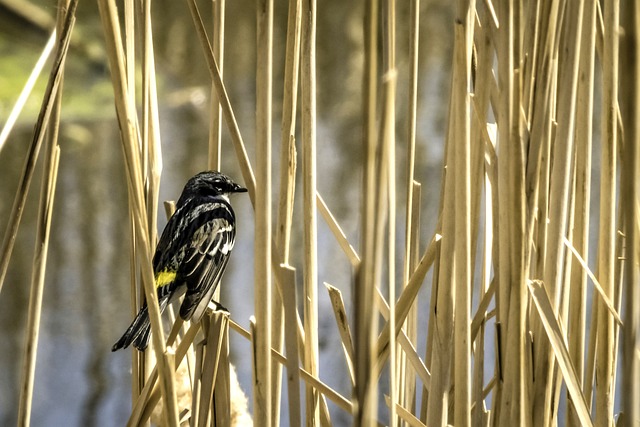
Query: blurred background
[[79, 381]]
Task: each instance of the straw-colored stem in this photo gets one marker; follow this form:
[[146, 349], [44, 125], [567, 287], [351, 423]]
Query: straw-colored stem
[[365, 324], [407, 391], [583, 135], [262, 387], [289, 302], [388, 140], [287, 140], [151, 126], [26, 91], [215, 114], [630, 187], [607, 230], [310, 222], [462, 169], [32, 330]]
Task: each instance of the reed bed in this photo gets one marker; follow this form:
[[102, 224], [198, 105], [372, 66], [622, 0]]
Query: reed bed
[[520, 328]]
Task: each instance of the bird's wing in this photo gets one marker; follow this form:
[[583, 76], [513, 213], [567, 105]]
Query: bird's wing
[[205, 262]]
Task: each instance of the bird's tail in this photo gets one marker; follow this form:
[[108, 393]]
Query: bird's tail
[[139, 331]]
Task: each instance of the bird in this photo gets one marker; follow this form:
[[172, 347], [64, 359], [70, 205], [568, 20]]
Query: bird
[[192, 252]]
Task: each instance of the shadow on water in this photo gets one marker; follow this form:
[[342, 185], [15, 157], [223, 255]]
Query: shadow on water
[[86, 298]]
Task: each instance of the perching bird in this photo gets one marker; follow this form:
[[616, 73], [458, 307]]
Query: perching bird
[[192, 253]]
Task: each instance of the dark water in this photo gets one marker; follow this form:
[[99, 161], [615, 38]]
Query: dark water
[[78, 380]]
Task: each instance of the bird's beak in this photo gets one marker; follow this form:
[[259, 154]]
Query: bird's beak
[[239, 189]]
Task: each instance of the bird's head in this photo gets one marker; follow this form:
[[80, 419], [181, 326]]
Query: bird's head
[[209, 184]]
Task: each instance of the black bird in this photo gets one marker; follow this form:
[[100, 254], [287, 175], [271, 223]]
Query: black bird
[[192, 253]]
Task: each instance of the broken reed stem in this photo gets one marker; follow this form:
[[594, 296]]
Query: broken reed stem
[[288, 130]]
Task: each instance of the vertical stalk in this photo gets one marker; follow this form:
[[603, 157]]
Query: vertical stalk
[[263, 405], [583, 137], [388, 141], [463, 29], [607, 228], [407, 386], [215, 114], [309, 209], [365, 280], [630, 182]]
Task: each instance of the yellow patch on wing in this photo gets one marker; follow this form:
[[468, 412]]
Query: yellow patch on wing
[[164, 278]]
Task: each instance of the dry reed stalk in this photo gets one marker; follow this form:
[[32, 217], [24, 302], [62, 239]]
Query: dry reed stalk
[[406, 300], [583, 144], [339, 235], [130, 49], [26, 91], [128, 123], [43, 228], [222, 394], [367, 273], [388, 141], [463, 29], [537, 187], [555, 334], [262, 385], [630, 178], [607, 229], [484, 164], [407, 387], [344, 330], [441, 342], [287, 141], [215, 114], [286, 186], [511, 210], [309, 209], [407, 346], [405, 415], [151, 141], [289, 302]]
